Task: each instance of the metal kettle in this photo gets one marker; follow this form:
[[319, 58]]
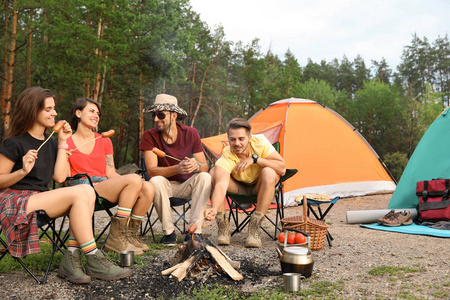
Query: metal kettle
[[296, 259]]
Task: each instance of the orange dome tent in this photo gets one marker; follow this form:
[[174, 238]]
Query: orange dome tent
[[331, 156]]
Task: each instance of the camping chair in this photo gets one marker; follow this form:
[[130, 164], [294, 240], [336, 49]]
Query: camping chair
[[48, 228], [101, 204], [320, 214], [239, 202], [174, 203]]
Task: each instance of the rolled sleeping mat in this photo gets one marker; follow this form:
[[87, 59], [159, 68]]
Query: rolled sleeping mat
[[371, 216]]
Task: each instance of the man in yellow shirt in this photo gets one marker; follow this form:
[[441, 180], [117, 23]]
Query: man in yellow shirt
[[250, 165]]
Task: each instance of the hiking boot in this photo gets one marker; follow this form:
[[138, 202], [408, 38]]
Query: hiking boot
[[133, 229], [223, 228], [118, 237], [380, 220], [170, 239], [101, 267], [254, 231], [402, 218], [72, 269]]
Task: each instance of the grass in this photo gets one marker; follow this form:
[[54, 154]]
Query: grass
[[321, 290], [36, 262], [390, 270]]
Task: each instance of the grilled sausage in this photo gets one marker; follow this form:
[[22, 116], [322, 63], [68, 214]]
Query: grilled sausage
[[108, 133], [158, 152], [58, 126], [192, 228]]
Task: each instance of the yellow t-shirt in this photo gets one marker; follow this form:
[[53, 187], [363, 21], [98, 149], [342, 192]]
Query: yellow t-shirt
[[258, 144]]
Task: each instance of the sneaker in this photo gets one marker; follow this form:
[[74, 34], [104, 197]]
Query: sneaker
[[72, 269], [197, 236], [380, 220], [170, 239], [101, 267], [402, 218]]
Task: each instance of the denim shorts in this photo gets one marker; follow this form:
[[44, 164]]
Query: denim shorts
[[95, 180]]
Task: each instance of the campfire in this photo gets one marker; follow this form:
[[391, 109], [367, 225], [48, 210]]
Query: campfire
[[201, 259]]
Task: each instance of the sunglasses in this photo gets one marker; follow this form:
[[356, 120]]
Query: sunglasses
[[160, 115]]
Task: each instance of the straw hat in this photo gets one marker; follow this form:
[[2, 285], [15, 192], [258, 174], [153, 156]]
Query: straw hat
[[166, 102]]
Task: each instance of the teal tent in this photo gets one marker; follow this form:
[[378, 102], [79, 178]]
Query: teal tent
[[430, 160]]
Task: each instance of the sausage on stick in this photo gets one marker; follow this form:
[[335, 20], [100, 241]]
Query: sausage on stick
[[56, 128], [105, 134], [161, 154]]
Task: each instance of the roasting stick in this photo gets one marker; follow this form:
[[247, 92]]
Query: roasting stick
[[56, 128], [106, 134], [161, 154]]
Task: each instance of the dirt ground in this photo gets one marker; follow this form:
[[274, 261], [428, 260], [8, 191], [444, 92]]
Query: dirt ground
[[422, 266]]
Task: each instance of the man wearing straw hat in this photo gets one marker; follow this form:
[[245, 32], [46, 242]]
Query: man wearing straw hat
[[250, 165], [182, 172]]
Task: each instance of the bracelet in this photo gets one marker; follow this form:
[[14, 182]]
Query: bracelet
[[63, 147], [199, 166]]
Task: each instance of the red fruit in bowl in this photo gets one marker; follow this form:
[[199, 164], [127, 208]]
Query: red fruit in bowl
[[291, 239], [281, 237], [300, 238]]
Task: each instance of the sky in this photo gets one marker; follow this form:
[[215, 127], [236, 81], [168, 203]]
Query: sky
[[329, 29]]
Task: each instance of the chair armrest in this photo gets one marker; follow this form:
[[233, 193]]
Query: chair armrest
[[78, 176], [289, 174], [140, 172]]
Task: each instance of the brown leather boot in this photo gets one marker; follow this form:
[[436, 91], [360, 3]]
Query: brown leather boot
[[133, 233], [118, 240], [254, 230], [223, 228]]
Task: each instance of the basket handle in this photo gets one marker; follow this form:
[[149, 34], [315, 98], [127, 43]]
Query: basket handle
[[305, 209]]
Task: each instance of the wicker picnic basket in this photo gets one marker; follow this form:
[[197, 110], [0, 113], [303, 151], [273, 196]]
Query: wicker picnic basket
[[315, 228]]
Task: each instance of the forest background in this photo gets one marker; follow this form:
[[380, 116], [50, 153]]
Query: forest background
[[123, 53]]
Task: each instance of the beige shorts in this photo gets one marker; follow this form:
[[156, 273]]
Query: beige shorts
[[246, 189]]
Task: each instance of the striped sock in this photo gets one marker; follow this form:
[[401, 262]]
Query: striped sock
[[133, 216], [123, 212], [89, 247], [73, 244]]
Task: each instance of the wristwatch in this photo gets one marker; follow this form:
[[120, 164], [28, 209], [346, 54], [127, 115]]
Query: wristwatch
[[255, 158]]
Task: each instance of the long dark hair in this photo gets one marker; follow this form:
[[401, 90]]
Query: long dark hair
[[28, 106], [80, 104]]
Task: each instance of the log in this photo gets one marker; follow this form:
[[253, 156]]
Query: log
[[185, 266], [233, 263], [170, 270], [181, 271], [224, 264]]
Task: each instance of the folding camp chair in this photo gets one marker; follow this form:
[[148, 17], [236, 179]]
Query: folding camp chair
[[174, 203], [320, 214], [237, 202], [48, 228], [101, 204]]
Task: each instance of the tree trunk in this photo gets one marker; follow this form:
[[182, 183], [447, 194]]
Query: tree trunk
[[88, 81], [141, 115], [102, 86], [30, 45], [200, 98], [5, 57], [99, 54], [192, 90], [10, 71]]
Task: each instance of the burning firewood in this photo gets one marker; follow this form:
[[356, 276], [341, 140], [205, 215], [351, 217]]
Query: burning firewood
[[201, 257]]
